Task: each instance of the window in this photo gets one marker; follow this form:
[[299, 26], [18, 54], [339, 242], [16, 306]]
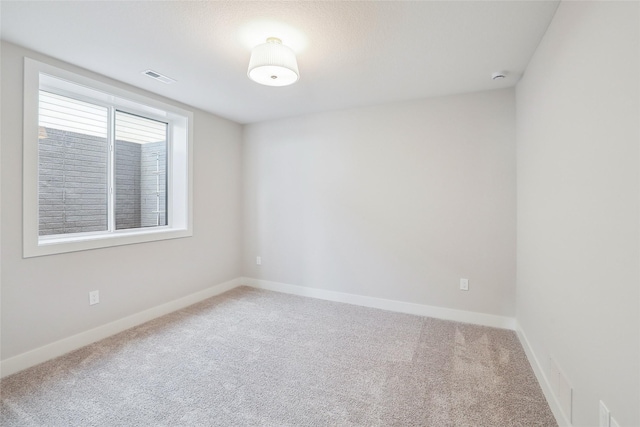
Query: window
[[102, 166], [140, 172]]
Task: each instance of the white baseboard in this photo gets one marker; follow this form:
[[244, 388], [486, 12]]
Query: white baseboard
[[544, 382], [386, 304], [42, 354]]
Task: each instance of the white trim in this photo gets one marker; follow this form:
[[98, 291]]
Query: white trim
[[544, 382], [42, 354], [386, 304]]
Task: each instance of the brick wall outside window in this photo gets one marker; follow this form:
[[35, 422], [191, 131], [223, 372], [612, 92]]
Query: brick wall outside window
[[73, 187]]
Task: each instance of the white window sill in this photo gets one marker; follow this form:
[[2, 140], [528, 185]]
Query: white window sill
[[63, 244], [82, 237]]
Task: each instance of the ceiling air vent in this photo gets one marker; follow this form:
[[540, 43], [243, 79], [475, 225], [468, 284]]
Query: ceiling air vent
[[158, 76]]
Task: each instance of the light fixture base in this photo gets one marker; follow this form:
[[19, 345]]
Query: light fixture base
[[273, 64]]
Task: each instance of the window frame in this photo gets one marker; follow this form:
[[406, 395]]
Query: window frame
[[179, 163], [112, 177]]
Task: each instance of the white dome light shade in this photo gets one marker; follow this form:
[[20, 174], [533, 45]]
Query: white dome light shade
[[273, 64]]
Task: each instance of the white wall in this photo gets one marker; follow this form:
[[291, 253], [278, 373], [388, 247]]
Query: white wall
[[397, 201], [578, 127], [45, 299]]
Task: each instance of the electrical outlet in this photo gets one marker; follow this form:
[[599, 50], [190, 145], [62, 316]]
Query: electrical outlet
[[258, 260], [604, 415], [613, 422], [464, 284], [94, 297]]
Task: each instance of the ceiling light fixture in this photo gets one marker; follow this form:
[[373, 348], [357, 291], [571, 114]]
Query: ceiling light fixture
[[273, 64]]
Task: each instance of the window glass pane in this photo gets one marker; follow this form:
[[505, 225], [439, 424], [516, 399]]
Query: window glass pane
[[72, 165], [140, 172]]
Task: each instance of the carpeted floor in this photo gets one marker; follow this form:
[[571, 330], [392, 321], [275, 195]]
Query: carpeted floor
[[259, 358]]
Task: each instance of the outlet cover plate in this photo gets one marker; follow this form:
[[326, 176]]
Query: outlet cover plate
[[94, 297]]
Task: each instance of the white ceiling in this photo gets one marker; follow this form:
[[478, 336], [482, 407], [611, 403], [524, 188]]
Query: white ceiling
[[349, 53]]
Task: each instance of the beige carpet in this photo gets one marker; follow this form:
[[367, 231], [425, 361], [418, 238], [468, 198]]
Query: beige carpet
[[259, 358]]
